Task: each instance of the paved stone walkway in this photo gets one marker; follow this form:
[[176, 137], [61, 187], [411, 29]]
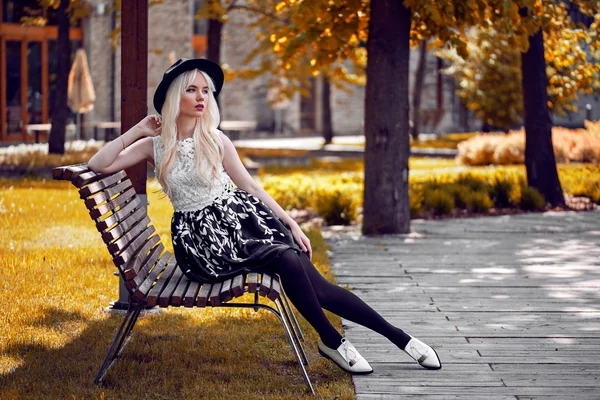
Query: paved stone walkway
[[511, 304], [348, 145]]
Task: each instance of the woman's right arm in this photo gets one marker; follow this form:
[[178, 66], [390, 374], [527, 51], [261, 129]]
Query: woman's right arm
[[126, 150]]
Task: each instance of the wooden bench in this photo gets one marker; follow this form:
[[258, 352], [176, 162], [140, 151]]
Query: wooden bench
[[234, 129], [37, 129], [151, 273], [110, 129]]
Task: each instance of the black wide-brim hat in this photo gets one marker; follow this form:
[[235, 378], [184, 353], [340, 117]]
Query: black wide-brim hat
[[186, 64]]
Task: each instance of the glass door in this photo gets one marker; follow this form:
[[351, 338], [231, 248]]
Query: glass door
[[35, 89], [14, 94]]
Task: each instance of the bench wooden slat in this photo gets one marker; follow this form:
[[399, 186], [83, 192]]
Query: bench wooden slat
[[127, 224], [120, 244], [190, 296], [215, 299], [73, 171], [144, 287], [105, 182], [111, 205], [275, 291], [165, 277], [179, 291], [202, 300], [58, 172], [165, 296], [145, 270], [86, 178], [132, 248], [120, 215], [252, 282], [226, 294], [265, 285], [132, 268], [237, 287], [107, 194]]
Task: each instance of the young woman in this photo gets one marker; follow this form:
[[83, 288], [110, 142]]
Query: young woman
[[219, 230]]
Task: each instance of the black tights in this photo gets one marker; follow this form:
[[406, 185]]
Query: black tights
[[310, 292]]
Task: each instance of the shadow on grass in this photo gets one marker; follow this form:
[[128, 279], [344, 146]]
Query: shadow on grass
[[172, 355]]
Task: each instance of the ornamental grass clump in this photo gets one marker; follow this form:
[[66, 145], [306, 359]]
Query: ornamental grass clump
[[416, 199], [438, 201], [291, 191], [460, 193], [589, 189], [479, 202], [500, 191], [531, 199], [474, 183], [570, 145], [336, 207]]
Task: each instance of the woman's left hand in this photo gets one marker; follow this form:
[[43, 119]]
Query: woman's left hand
[[302, 239]]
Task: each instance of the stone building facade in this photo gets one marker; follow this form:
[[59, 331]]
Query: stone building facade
[[171, 27]]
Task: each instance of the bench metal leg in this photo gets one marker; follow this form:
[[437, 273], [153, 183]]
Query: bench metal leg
[[282, 309], [294, 320], [120, 341], [278, 313], [294, 349]]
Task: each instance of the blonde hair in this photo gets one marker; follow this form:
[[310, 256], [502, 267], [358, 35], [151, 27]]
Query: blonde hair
[[207, 144]]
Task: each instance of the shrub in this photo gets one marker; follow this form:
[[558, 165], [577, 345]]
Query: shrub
[[460, 194], [479, 202], [580, 145], [335, 206], [531, 199], [500, 192], [291, 192], [478, 150], [416, 201], [475, 183], [438, 201], [587, 188]]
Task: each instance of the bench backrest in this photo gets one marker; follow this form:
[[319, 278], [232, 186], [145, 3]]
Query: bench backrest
[[122, 220]]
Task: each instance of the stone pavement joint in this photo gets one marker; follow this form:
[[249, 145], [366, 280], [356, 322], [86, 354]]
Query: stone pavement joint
[[511, 304]]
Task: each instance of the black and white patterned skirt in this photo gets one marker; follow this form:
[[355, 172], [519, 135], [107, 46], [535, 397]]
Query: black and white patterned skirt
[[236, 234]]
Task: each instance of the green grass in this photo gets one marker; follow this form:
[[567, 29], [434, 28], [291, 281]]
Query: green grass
[[56, 279]]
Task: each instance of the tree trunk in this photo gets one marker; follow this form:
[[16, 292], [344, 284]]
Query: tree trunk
[[213, 43], [539, 153], [213, 39], [326, 114], [418, 90], [60, 112], [386, 203]]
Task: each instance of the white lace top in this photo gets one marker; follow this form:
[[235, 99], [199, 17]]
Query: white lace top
[[189, 191]]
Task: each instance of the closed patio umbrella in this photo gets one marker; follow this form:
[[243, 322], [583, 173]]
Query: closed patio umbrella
[[81, 93]]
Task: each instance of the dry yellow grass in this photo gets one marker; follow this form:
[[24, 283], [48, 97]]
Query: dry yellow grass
[[570, 145], [56, 277]]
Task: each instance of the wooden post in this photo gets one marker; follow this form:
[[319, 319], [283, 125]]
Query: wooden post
[[134, 83], [134, 76], [3, 127]]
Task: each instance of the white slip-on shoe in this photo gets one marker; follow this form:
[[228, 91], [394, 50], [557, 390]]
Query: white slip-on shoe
[[423, 354], [346, 357]]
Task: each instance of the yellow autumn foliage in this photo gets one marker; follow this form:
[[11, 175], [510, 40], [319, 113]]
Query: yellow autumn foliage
[[493, 57]]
